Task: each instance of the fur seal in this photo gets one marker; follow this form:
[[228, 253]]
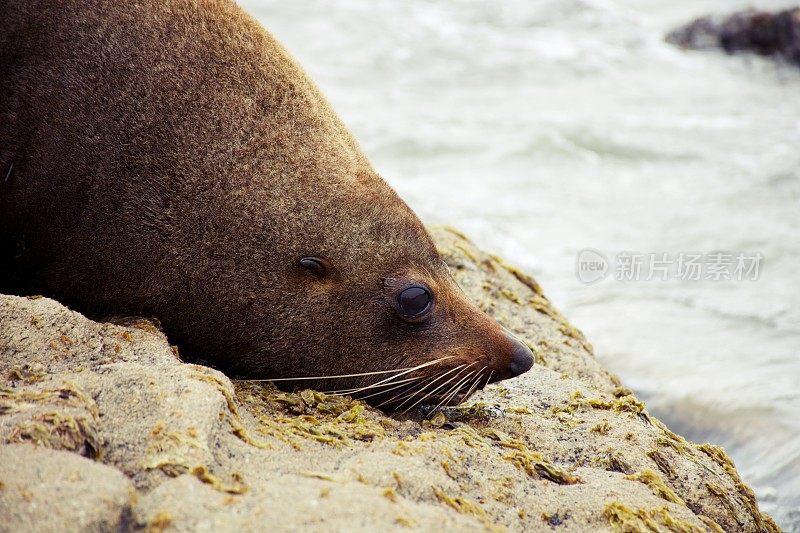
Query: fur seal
[[171, 159]]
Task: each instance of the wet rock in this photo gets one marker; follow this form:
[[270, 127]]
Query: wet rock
[[564, 446], [759, 32]]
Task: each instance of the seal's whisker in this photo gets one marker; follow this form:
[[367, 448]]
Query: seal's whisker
[[423, 365], [331, 377], [403, 386], [430, 381], [410, 391], [400, 372], [459, 369], [475, 383], [412, 369], [470, 386], [454, 389], [414, 393], [408, 388], [396, 385], [488, 379], [460, 387], [431, 393], [388, 383]]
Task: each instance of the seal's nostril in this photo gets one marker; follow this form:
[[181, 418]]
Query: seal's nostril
[[521, 358]]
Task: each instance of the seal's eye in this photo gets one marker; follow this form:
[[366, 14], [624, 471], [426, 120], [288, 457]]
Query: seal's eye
[[316, 265], [413, 302]]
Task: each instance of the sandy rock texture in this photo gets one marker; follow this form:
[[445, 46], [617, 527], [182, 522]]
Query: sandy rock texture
[[103, 428]]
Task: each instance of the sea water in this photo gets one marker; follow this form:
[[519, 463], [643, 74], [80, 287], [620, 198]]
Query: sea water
[[542, 128]]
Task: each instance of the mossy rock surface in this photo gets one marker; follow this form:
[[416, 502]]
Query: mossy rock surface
[[180, 447]]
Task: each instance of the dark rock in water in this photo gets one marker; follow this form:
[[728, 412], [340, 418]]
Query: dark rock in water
[[760, 32]]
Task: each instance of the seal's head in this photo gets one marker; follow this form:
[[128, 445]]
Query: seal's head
[[361, 291]]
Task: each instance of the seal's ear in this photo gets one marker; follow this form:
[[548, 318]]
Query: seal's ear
[[316, 265]]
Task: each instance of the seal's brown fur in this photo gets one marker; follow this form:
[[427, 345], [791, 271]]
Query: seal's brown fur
[[170, 159]]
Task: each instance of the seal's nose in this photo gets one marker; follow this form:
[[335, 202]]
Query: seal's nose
[[521, 357]]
